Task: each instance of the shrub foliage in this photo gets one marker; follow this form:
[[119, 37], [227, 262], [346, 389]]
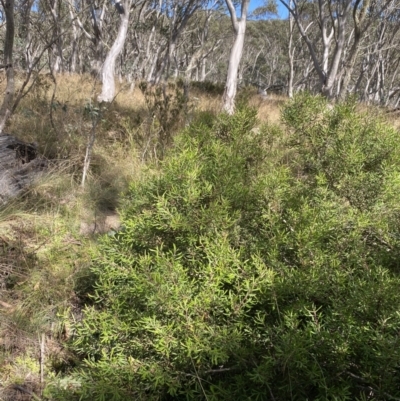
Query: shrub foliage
[[250, 270]]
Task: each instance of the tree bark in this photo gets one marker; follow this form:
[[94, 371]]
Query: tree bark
[[239, 27], [25, 32], [290, 54], [6, 107], [107, 73], [360, 28], [57, 56], [337, 19]]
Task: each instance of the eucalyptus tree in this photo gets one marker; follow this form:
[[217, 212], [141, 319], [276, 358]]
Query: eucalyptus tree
[[108, 70], [365, 15], [212, 63], [264, 61], [332, 19], [23, 19], [199, 44], [178, 14], [147, 40], [6, 107], [90, 19], [341, 25], [55, 7], [38, 37], [380, 67], [290, 52], [239, 29]]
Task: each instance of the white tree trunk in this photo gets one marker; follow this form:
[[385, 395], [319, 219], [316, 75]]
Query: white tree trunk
[[107, 73], [151, 76], [290, 54], [58, 62], [327, 68], [6, 107], [239, 27], [26, 32], [203, 69]]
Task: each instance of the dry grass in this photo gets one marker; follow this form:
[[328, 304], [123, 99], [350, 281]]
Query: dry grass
[[269, 110], [43, 249], [394, 118]]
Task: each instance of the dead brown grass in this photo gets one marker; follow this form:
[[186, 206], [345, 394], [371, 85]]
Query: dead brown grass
[[269, 110]]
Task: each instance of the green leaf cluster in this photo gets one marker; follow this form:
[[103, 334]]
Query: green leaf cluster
[[258, 264]]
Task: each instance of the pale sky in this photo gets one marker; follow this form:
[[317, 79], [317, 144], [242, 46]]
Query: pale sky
[[281, 9]]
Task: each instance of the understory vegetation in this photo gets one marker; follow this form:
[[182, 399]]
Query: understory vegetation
[[254, 259]]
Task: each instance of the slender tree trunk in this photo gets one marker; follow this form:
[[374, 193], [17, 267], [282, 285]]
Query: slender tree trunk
[[58, 65], [57, 61], [25, 32], [203, 69], [348, 72], [74, 43], [6, 107], [74, 56], [143, 66], [327, 68], [170, 56], [193, 62], [239, 28], [290, 54], [232, 77], [97, 24], [152, 75], [107, 73]]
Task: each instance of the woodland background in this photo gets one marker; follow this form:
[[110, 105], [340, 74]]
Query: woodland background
[[340, 47]]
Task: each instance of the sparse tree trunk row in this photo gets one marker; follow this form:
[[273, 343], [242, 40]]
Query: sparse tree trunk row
[[341, 48]]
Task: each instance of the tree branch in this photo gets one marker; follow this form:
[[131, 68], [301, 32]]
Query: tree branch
[[232, 12]]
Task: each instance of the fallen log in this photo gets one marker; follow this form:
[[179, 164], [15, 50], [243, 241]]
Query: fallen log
[[20, 165]]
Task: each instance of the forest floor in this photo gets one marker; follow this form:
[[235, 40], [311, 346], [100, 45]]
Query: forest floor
[[48, 236]]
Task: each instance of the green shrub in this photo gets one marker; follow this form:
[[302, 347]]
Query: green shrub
[[353, 153], [239, 278]]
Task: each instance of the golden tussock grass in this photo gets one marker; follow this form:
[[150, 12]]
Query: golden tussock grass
[[269, 109]]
